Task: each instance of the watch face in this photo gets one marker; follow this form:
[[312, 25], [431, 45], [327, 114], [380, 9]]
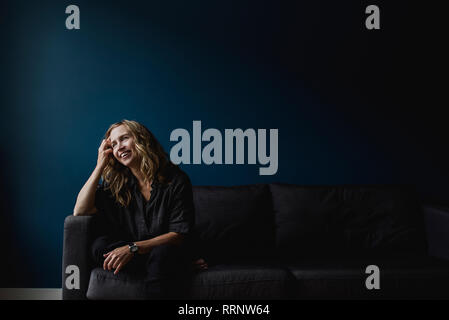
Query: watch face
[[133, 248]]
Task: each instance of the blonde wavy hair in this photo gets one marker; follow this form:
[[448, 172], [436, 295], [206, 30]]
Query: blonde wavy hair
[[153, 161]]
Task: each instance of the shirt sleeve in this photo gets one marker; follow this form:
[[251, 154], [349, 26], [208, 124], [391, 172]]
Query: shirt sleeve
[[181, 213]]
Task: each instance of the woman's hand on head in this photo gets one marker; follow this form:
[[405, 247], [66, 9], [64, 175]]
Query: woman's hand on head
[[104, 153], [117, 258]]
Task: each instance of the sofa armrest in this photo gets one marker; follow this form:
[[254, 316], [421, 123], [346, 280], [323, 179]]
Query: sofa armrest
[[437, 230], [78, 233]]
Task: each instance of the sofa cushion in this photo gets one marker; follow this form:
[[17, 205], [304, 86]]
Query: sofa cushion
[[242, 281], [382, 220], [304, 219], [104, 285], [345, 279], [253, 281], [233, 222]]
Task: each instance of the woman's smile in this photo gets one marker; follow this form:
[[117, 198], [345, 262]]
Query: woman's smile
[[125, 157], [125, 154]]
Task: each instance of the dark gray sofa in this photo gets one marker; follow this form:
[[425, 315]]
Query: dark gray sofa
[[281, 241]]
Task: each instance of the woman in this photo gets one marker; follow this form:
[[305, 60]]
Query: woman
[[144, 206]]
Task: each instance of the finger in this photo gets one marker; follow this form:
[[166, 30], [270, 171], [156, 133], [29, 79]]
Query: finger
[[106, 254], [116, 263], [101, 147], [105, 144], [123, 262], [106, 261], [111, 263], [119, 267]]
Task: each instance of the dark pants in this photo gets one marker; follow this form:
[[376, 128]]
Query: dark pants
[[165, 269]]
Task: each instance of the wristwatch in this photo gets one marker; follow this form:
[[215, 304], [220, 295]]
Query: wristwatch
[[133, 248]]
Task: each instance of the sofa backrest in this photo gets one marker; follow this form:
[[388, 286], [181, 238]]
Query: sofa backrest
[[293, 221], [347, 221], [234, 222], [304, 219]]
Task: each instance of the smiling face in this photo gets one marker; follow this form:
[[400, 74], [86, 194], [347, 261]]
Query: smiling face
[[122, 142]]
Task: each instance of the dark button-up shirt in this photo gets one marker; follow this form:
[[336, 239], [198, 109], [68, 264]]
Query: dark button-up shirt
[[170, 209]]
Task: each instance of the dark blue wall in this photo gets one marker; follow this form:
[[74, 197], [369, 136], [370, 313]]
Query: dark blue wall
[[351, 105]]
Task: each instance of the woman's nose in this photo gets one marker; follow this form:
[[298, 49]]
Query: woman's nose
[[120, 146]]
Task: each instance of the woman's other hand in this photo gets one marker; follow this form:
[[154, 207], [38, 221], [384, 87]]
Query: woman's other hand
[[200, 264], [117, 259], [104, 153]]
